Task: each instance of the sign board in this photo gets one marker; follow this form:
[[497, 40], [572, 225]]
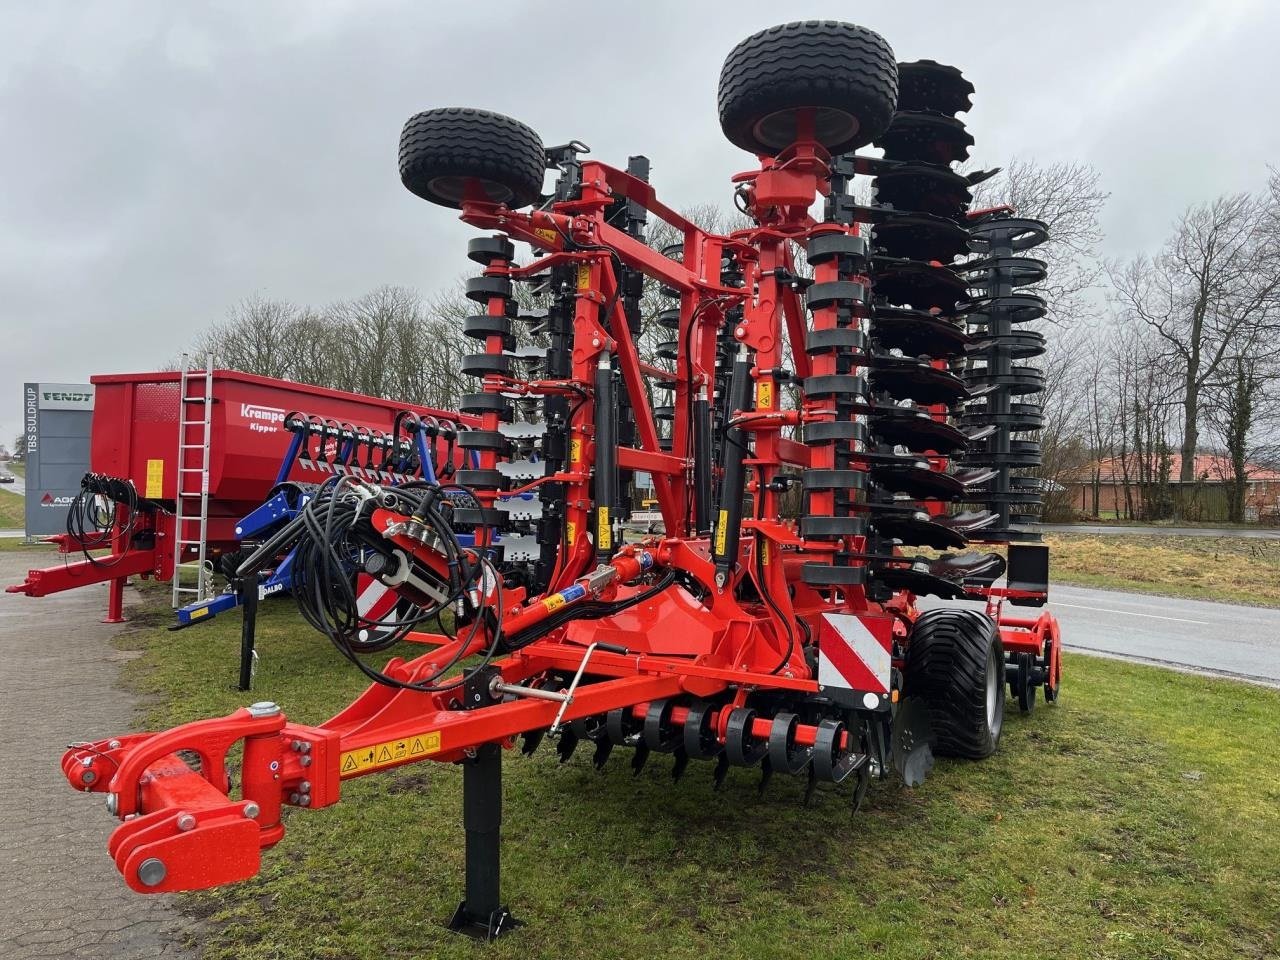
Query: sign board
[[57, 419]]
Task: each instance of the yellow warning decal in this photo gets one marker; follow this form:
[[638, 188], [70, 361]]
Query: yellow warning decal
[[604, 532], [764, 553], [391, 752], [155, 480], [722, 532], [547, 234], [197, 613], [571, 532], [584, 276], [553, 602], [764, 395], [575, 450]]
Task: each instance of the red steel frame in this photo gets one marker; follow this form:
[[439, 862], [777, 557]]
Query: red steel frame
[[673, 644]]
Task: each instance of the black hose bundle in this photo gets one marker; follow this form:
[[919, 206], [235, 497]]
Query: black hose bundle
[[332, 539], [95, 518]]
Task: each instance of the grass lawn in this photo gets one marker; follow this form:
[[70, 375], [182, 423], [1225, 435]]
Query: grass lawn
[[1137, 818], [16, 543], [1234, 569], [12, 510], [17, 468]]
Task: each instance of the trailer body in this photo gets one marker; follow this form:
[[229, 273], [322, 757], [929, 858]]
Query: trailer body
[[135, 438]]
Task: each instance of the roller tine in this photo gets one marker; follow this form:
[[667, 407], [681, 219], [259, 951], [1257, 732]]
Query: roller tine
[[604, 747], [681, 764], [811, 786], [722, 769], [766, 774], [531, 741], [569, 741], [640, 759], [860, 788]]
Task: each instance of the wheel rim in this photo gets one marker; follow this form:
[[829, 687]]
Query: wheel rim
[[994, 685], [830, 126], [457, 189]]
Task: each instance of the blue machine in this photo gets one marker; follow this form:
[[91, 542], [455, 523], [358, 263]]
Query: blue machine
[[331, 449]]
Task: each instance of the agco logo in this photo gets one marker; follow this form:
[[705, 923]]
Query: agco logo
[[262, 419], [49, 500]]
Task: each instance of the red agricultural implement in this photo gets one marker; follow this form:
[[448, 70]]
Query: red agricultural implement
[[179, 457], [858, 366]]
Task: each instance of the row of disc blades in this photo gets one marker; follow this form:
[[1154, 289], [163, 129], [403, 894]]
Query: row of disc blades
[[999, 372], [947, 360]]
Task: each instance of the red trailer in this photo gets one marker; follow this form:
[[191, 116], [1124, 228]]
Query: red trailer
[[136, 424]]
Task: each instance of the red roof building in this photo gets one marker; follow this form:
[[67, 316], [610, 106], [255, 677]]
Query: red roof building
[[1212, 471]]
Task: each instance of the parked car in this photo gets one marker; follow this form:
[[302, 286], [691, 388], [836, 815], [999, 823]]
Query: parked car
[[6, 478]]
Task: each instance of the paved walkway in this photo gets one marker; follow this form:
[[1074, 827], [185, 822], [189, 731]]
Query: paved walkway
[[60, 894]]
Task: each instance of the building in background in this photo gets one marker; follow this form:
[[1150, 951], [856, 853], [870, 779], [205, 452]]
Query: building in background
[[1124, 487]]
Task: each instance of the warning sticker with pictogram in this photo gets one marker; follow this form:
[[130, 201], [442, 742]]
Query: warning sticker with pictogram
[[389, 753], [854, 654]]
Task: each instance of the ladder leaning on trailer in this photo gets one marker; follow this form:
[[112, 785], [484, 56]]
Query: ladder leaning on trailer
[[191, 498]]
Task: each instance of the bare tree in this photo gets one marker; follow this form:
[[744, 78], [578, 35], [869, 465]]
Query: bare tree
[[1063, 451], [1244, 411], [1102, 423], [387, 343], [1068, 196], [255, 337], [1209, 293], [1152, 415]]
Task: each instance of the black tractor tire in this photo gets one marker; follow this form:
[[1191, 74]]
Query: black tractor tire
[[847, 73], [955, 664], [452, 153]]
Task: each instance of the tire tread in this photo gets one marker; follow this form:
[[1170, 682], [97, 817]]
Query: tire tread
[[946, 666], [464, 141], [809, 63]]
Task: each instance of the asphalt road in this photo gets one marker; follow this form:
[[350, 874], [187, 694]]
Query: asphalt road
[[1218, 638], [1248, 533], [19, 485]]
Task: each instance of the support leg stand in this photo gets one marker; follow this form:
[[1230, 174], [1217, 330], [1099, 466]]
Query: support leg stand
[[481, 914], [248, 628]]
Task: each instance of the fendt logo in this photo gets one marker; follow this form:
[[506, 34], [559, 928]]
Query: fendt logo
[[262, 419], [66, 397], [49, 500], [61, 396]]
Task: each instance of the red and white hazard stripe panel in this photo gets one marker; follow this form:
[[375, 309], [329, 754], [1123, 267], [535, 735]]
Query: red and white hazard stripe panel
[[854, 654], [375, 600]]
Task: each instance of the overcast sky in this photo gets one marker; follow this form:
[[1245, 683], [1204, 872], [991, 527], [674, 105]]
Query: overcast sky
[[162, 160]]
